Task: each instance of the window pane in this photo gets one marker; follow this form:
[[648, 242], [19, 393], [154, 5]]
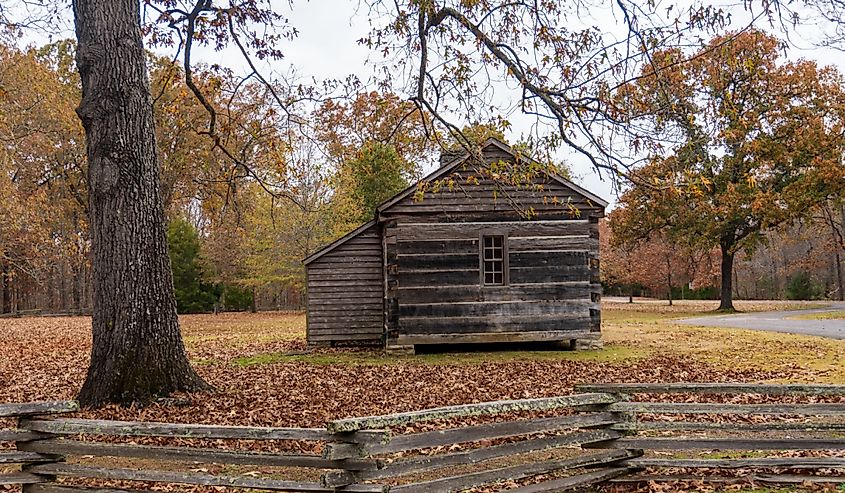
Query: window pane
[[493, 254]]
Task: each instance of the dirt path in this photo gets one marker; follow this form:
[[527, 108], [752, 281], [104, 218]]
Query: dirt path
[[778, 321]]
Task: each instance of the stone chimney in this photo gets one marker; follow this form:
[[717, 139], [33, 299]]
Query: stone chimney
[[449, 155]]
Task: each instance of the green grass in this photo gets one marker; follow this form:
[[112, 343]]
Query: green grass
[[610, 354], [831, 315], [637, 317], [203, 361]]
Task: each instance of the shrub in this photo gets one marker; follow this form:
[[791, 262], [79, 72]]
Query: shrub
[[802, 287]]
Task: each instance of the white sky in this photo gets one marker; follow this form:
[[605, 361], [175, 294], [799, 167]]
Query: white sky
[[327, 47]]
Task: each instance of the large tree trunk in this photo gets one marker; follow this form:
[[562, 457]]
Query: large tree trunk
[[137, 351], [727, 278]]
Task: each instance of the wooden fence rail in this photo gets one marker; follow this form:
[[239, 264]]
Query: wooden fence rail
[[357, 454], [548, 445], [652, 422]]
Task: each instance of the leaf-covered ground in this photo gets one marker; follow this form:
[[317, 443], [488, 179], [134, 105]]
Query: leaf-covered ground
[[265, 376]]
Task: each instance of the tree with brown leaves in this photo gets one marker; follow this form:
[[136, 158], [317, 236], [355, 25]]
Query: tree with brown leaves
[[751, 142]]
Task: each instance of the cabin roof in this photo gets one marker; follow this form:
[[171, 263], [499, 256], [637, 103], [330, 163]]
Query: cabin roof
[[340, 241], [452, 165], [435, 175]]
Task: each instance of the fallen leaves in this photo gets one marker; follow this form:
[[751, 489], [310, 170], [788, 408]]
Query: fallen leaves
[[284, 385]]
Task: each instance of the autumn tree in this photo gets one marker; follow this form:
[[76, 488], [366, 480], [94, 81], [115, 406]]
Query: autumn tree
[[751, 142], [42, 162], [137, 351], [345, 127]]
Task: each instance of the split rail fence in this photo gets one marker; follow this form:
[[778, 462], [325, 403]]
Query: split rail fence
[[527, 446]]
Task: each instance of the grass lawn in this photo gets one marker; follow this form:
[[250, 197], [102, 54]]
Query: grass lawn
[[265, 376], [831, 315]]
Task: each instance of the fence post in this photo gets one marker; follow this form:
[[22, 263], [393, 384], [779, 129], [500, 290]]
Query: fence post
[[23, 435], [349, 445]]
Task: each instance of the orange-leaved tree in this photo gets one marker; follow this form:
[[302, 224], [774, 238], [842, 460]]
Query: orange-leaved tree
[[747, 142]]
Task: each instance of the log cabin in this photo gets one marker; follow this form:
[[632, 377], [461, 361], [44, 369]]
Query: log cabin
[[468, 257]]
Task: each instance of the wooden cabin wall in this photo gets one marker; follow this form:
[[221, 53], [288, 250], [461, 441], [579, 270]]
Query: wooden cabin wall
[[435, 294], [346, 292], [434, 289]]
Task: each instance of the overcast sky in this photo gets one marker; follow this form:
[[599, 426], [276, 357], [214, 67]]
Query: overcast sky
[[327, 47]]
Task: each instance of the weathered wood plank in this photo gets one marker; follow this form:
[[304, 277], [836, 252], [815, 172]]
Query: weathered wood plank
[[57, 488], [340, 320], [534, 243], [549, 259], [337, 283], [36, 408], [365, 306], [346, 328], [744, 409], [484, 337], [484, 408], [715, 388], [24, 457], [191, 478], [577, 482], [339, 328], [437, 261], [20, 435], [335, 291], [321, 302], [563, 273], [65, 426], [691, 426], [757, 478], [344, 276], [475, 292], [339, 264], [760, 462], [495, 308], [798, 479], [491, 431], [738, 443], [458, 326], [432, 462], [72, 447], [440, 278], [465, 481], [13, 478], [437, 246], [470, 230], [355, 333], [663, 478]]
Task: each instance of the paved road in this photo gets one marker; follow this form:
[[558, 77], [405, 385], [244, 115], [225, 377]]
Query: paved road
[[777, 322]]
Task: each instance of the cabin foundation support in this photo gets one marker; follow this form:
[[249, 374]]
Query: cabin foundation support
[[588, 344], [400, 350]]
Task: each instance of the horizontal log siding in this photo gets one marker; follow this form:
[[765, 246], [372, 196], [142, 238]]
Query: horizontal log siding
[[435, 285], [345, 292]]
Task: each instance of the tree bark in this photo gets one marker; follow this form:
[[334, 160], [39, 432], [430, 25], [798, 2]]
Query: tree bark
[[837, 246], [137, 351], [4, 289], [669, 279], [727, 278]]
